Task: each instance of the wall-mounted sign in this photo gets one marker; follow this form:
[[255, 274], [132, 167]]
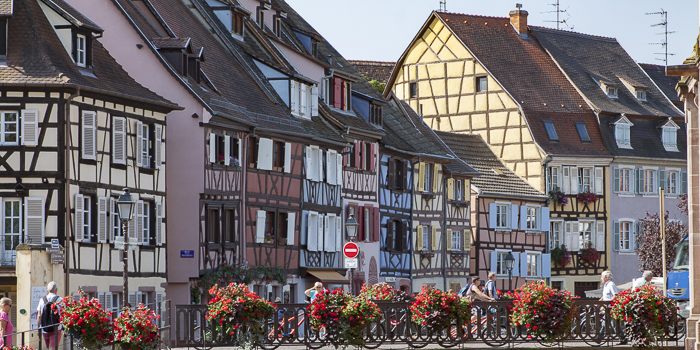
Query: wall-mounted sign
[[189, 254], [54, 243]]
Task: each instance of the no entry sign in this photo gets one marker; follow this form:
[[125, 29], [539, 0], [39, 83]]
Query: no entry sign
[[351, 250]]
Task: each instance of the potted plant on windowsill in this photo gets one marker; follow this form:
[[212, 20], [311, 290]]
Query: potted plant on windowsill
[[269, 238], [561, 256], [586, 197], [588, 255], [558, 197]]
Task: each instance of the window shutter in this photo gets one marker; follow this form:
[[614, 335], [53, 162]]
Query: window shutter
[[318, 163], [140, 223], [240, 151], [450, 189], [102, 299], [421, 177], [616, 180], [573, 171], [79, 236], [330, 167], [131, 229], [523, 217], [34, 219], [575, 234], [333, 236], [616, 236], [600, 235], [566, 182], [514, 217], [260, 226], [102, 220], [30, 127], [328, 234], [265, 154], [372, 156], [159, 146], [544, 219], [467, 236], [516, 264], [227, 150], [302, 99], [419, 238], [360, 217], [139, 145], [312, 232], [339, 233], [291, 225], [492, 215], [357, 153], [119, 140], [493, 260], [436, 178], [662, 180], [133, 299], [339, 170], [314, 101], [523, 264], [405, 175], [568, 236], [433, 238], [337, 92], [212, 148], [307, 162], [287, 157], [684, 182], [321, 222], [448, 233], [639, 177], [546, 266], [655, 182], [375, 218], [599, 180], [89, 135], [637, 240], [112, 219], [159, 223], [294, 95]]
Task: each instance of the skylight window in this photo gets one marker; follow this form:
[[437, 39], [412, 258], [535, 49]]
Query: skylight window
[[582, 132], [551, 132]]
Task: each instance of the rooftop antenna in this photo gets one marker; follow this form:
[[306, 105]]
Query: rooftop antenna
[[665, 33], [443, 5], [559, 12]]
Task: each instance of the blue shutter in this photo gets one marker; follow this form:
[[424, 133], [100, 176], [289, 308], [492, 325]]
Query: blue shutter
[[637, 242], [523, 264], [492, 215], [523, 217], [516, 264], [514, 216], [494, 262], [616, 180], [544, 219], [616, 236], [684, 182], [662, 181], [639, 181], [546, 266]]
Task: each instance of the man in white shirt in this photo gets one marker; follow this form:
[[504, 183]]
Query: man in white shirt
[[646, 279], [51, 338], [609, 287]]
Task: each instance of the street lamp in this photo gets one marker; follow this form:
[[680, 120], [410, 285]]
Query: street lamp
[[125, 207], [351, 226], [509, 260]]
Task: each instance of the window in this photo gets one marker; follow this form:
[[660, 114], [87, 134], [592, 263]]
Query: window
[[270, 227], [3, 37], [625, 181], [532, 222], [278, 155], [397, 235], [252, 152], [428, 177], [143, 145], [9, 124], [397, 174], [338, 93], [237, 23], [586, 234], [551, 132], [501, 263], [81, 50], [86, 212], [212, 223], [625, 236], [533, 264], [426, 238], [553, 178], [147, 235], [502, 215], [281, 228], [11, 230], [459, 191], [456, 240], [622, 135], [369, 156], [582, 132], [672, 182], [611, 91], [229, 225], [413, 87], [555, 234], [669, 138], [641, 95], [585, 180], [649, 185], [481, 84], [303, 99], [375, 114]]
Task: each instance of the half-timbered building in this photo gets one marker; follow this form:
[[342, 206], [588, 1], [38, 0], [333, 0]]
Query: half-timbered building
[[465, 74], [508, 214], [76, 130]]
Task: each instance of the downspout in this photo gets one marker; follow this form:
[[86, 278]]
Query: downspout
[[410, 220], [242, 257], [66, 184], [444, 232], [545, 163]]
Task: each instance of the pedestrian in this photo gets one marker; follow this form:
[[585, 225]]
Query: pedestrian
[[490, 288], [314, 291], [645, 280], [473, 293], [52, 329], [609, 292], [6, 327]]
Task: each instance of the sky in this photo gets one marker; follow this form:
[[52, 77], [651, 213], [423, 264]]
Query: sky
[[380, 30]]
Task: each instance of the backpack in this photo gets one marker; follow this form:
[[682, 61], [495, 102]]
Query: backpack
[[491, 287], [49, 318], [466, 291]]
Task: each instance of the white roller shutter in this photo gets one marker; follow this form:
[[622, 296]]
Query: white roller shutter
[[338, 233], [30, 127], [314, 101], [574, 179], [102, 220], [308, 162], [322, 224], [34, 219], [331, 167], [312, 232], [260, 226], [212, 148], [332, 233], [339, 170], [265, 154], [139, 145], [140, 222], [566, 180]]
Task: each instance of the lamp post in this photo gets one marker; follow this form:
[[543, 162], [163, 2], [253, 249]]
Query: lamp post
[[125, 207], [509, 260], [351, 225]]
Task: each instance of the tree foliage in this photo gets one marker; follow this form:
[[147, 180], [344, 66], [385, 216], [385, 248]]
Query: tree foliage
[[649, 250]]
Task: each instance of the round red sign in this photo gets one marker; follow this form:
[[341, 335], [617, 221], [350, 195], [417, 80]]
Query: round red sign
[[351, 250]]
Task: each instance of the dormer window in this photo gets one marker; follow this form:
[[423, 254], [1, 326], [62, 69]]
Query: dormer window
[[303, 99], [582, 132], [642, 95], [611, 91], [81, 50], [636, 88], [336, 93], [231, 16], [368, 107], [622, 132], [669, 135], [277, 23]]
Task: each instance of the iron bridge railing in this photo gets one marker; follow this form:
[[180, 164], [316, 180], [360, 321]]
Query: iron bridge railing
[[593, 325]]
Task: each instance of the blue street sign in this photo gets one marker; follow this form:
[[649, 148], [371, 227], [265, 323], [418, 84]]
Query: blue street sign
[[187, 254]]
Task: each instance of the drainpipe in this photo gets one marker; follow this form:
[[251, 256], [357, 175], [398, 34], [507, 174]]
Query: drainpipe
[[242, 257], [444, 232], [410, 223], [66, 184], [545, 163]]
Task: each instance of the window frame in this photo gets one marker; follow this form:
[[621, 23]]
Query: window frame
[[505, 216], [278, 156], [500, 269], [19, 217], [670, 142], [668, 181], [213, 233], [630, 231], [426, 238], [553, 185], [581, 179], [582, 234], [551, 130], [87, 218], [459, 191], [81, 55], [428, 178], [611, 91], [649, 180], [397, 233], [627, 173], [413, 89], [533, 258], [641, 95], [456, 240], [533, 215], [3, 126], [482, 84], [556, 236], [582, 131], [622, 135]]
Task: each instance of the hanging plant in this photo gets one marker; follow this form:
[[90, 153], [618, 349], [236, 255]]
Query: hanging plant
[[589, 255], [558, 197], [561, 256], [586, 197]]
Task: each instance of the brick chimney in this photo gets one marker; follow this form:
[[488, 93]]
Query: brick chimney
[[518, 18]]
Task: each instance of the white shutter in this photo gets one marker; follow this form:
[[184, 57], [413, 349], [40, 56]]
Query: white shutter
[[119, 140], [212, 148], [314, 101], [338, 233], [89, 140], [302, 100], [318, 160], [294, 95], [568, 236], [600, 235], [339, 170], [322, 224], [566, 180], [159, 146], [291, 225], [159, 223], [599, 180], [160, 308], [332, 234], [331, 167], [575, 236], [112, 218], [102, 220], [79, 217], [108, 301], [307, 162], [287, 157], [265, 154], [227, 150], [131, 228], [34, 219], [514, 216], [139, 145], [30, 127], [312, 232], [140, 222], [260, 226], [133, 299], [240, 152], [574, 179], [102, 299]]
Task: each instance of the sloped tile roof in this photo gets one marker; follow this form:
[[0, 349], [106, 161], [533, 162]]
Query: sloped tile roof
[[667, 84], [380, 71], [474, 150], [583, 56], [36, 56], [645, 138], [171, 43], [72, 15]]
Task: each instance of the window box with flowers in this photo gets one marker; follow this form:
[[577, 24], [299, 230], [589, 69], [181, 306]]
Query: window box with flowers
[[588, 255], [586, 197], [647, 313], [561, 257], [237, 313], [558, 197], [436, 310], [136, 329], [87, 322], [344, 317], [546, 313]]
